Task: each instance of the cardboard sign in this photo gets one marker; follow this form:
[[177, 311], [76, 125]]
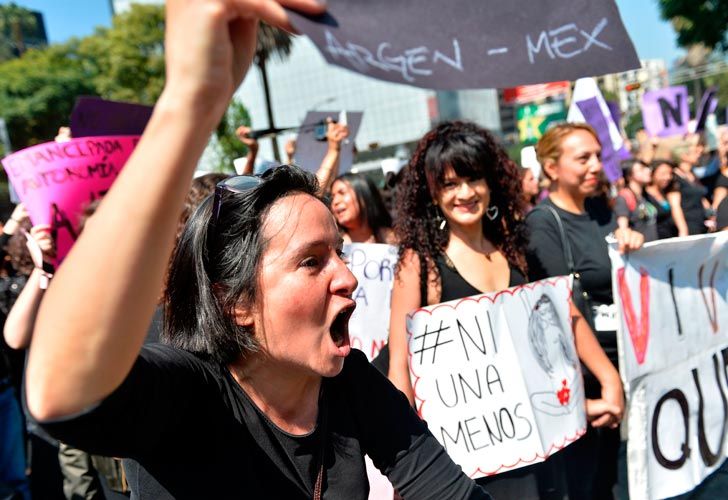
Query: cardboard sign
[[310, 151], [468, 44], [373, 265], [497, 378], [665, 112], [673, 345], [93, 116], [56, 180]]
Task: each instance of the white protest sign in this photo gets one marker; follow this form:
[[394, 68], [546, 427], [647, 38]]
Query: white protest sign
[[496, 376], [373, 265], [673, 343]]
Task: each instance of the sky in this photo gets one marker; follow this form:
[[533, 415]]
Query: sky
[[652, 37]]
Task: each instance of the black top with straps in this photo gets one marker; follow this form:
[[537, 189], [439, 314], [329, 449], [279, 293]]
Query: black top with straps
[[454, 286]]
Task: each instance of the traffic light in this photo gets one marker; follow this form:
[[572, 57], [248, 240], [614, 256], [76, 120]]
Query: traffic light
[[630, 87]]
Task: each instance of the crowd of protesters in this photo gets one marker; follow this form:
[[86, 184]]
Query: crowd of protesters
[[203, 374]]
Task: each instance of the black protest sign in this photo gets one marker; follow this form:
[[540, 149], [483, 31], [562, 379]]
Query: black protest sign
[[464, 44], [311, 145], [93, 116]]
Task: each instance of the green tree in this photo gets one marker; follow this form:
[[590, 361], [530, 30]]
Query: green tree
[[228, 146], [698, 21], [126, 61], [14, 22], [38, 91]]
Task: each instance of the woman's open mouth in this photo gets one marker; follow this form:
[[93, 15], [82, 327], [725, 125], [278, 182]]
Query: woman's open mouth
[[340, 327]]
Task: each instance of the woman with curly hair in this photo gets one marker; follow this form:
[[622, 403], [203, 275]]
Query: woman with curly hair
[[461, 233]]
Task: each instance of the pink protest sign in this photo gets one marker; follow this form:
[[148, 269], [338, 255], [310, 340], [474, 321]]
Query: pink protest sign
[[665, 112], [56, 180]]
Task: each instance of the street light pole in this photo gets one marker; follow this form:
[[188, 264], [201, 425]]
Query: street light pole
[[111, 8]]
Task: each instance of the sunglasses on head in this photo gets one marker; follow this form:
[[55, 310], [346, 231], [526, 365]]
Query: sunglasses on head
[[236, 185]]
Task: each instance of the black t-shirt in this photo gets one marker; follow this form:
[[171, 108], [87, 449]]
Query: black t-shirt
[[722, 181], [721, 219], [586, 234], [691, 201], [195, 434], [665, 224], [642, 215]]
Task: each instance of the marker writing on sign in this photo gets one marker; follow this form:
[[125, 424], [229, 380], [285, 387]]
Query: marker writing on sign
[[409, 63], [678, 397], [671, 114], [560, 42], [38, 180], [488, 378], [55, 151], [470, 334], [495, 427], [371, 269]]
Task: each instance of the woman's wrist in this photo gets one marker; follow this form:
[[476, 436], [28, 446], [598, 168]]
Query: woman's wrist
[[193, 109], [10, 226]]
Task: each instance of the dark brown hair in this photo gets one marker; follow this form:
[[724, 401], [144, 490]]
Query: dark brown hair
[[472, 152]]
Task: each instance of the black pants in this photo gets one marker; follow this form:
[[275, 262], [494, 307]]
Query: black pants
[[590, 463]]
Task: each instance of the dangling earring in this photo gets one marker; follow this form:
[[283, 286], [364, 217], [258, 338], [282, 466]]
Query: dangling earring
[[440, 221], [492, 212]]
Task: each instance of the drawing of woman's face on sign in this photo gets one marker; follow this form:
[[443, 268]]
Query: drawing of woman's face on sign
[[553, 348]]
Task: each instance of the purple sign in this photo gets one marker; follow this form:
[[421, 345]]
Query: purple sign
[[470, 44], [93, 116], [665, 112], [616, 113], [707, 106], [593, 115]]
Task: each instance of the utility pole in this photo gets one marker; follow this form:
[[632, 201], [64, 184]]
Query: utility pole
[[111, 8]]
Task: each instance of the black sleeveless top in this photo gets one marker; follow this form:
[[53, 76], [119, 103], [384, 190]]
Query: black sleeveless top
[[454, 286]]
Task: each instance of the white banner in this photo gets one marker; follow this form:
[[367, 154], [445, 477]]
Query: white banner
[[673, 343], [373, 265], [496, 376]]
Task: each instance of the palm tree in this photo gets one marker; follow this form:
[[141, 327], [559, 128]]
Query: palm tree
[[14, 22], [271, 42]]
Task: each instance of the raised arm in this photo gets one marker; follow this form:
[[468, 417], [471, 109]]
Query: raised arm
[[98, 308], [19, 324], [405, 299], [252, 144], [329, 169]]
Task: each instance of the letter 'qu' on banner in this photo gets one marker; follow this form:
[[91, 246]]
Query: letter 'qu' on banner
[[464, 44]]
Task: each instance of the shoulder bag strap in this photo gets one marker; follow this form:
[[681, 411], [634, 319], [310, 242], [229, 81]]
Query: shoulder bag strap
[[564, 239]]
